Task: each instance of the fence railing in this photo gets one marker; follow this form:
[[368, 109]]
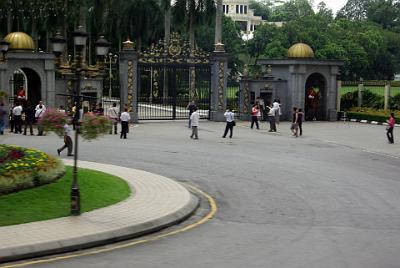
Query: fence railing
[[372, 94]]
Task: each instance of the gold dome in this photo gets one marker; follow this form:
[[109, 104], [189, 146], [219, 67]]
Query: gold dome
[[300, 50], [20, 41]]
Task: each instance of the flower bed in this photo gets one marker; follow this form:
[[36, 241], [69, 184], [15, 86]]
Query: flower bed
[[369, 114], [22, 168]]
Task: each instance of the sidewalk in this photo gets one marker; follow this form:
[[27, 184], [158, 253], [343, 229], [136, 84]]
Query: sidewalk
[[156, 202]]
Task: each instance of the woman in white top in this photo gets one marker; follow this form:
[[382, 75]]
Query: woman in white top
[[230, 123], [39, 114]]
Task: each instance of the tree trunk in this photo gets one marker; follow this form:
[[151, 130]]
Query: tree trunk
[[191, 23], [167, 24], [9, 21]]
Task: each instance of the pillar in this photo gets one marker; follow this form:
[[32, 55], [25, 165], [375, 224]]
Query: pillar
[[219, 79], [387, 95], [339, 95], [128, 68]]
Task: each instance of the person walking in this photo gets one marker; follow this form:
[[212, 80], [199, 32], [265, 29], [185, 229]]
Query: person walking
[[17, 112], [254, 116], [194, 118], [295, 126], [271, 119], [191, 105], [67, 140], [40, 110], [389, 129], [3, 116], [300, 118], [277, 106], [125, 118], [230, 122], [113, 114], [29, 118]]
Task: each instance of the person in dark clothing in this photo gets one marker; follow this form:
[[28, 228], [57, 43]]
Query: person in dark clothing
[[300, 116], [230, 123], [11, 120], [29, 114], [3, 116]]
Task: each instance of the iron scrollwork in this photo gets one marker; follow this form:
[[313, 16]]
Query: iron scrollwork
[[131, 82], [176, 51], [221, 82]]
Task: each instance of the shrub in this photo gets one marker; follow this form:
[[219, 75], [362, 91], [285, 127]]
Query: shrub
[[23, 168], [53, 120], [94, 126]]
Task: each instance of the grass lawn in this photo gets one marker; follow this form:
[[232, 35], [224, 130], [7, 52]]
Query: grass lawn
[[51, 201], [374, 89]]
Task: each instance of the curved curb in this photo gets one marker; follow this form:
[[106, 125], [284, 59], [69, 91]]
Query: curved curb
[[157, 202]]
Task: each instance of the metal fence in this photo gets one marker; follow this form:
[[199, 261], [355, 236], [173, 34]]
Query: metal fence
[[372, 94], [233, 96]]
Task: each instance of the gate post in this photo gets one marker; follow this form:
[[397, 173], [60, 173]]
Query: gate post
[[219, 80], [128, 68], [245, 107], [387, 95]]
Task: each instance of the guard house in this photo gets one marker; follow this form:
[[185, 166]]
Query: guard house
[[298, 81], [32, 75], [26, 73]]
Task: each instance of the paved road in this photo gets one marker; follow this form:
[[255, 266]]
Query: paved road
[[328, 199]]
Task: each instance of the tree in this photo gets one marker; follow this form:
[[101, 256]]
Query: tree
[[261, 8], [354, 10], [384, 12], [293, 9], [324, 11]]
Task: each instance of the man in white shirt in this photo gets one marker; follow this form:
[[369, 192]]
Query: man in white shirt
[[17, 113], [230, 123], [40, 110], [67, 140], [194, 119], [277, 106], [271, 118], [113, 114], [40, 106], [125, 118]]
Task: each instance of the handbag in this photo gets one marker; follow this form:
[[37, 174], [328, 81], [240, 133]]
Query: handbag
[[234, 123]]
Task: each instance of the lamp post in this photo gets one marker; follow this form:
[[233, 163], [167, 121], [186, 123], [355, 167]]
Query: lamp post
[[80, 37], [102, 46], [111, 59], [58, 42], [4, 48]]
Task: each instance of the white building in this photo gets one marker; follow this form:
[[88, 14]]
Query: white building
[[240, 12]]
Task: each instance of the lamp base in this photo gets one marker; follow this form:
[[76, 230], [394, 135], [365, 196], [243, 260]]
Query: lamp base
[[75, 202]]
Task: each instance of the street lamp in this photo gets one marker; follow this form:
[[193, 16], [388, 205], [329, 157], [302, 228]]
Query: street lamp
[[77, 68], [80, 37], [58, 42], [111, 59]]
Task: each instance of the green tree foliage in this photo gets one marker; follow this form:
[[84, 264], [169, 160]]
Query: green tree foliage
[[292, 9], [261, 8], [354, 10], [385, 13]]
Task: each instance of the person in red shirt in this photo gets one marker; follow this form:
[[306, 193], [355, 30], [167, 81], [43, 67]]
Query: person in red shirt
[[389, 129], [254, 115]]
